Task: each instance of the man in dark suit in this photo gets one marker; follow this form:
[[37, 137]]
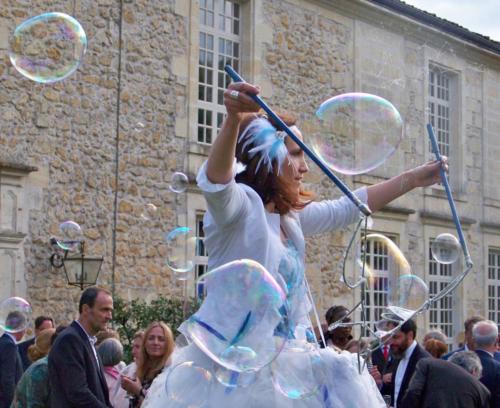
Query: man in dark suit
[[75, 372], [384, 363], [11, 367], [41, 323], [484, 335], [407, 353], [439, 383], [469, 344]]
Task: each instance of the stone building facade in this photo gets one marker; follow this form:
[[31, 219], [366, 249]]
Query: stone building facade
[[73, 150]]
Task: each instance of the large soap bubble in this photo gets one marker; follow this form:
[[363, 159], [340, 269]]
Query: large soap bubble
[[356, 132], [15, 314], [406, 292], [242, 323], [48, 48], [445, 248]]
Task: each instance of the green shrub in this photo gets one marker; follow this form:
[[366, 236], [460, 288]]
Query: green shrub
[[129, 317]]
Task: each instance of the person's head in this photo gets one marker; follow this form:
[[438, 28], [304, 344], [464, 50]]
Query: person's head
[[136, 344], [106, 334], [484, 335], [339, 336], [403, 339], [43, 323], [468, 324], [436, 348], [436, 334], [156, 349], [274, 164], [42, 345], [96, 309], [469, 361], [110, 351], [16, 324]]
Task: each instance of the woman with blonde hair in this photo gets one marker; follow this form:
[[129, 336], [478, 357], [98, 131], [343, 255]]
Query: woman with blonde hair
[[33, 388], [156, 350]]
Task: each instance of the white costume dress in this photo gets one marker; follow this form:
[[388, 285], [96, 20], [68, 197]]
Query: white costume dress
[[237, 226]]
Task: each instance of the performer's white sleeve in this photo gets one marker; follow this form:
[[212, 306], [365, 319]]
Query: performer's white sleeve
[[330, 215], [226, 202]]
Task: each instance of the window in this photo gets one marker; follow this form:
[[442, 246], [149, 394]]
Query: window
[[219, 45], [377, 260], [441, 312], [201, 258], [494, 285], [439, 108]]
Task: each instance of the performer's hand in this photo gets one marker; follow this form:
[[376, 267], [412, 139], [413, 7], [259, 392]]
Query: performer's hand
[[376, 375], [428, 173], [237, 99], [130, 385]]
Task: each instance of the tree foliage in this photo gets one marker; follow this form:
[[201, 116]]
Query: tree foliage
[[129, 317]]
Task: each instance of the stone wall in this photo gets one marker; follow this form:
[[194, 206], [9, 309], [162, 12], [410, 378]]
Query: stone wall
[[99, 166]]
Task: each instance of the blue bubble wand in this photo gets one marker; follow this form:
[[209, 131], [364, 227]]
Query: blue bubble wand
[[282, 125], [444, 179]]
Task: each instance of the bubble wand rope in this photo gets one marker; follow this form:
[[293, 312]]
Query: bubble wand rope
[[444, 178], [356, 201]]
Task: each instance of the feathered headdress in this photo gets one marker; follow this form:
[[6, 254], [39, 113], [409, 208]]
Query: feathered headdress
[[267, 141]]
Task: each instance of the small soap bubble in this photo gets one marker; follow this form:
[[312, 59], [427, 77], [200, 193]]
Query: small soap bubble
[[149, 212], [15, 314], [445, 249], [71, 236], [234, 379], [189, 384], [48, 48], [298, 373], [181, 250], [139, 127], [179, 182], [356, 132]]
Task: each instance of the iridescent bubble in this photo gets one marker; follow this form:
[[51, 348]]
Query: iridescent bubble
[[181, 250], [71, 236], [179, 182], [242, 324], [298, 372], [15, 314], [445, 248], [390, 272], [189, 384], [149, 212], [234, 379], [406, 295], [139, 127], [356, 132], [48, 48]]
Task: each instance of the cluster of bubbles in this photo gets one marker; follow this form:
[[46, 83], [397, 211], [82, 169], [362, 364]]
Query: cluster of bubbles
[[240, 344], [15, 315]]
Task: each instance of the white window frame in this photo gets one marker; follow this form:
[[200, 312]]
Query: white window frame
[[493, 285], [440, 108], [441, 313], [376, 297], [201, 256], [217, 25]]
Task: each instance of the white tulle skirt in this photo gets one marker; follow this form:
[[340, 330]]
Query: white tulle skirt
[[298, 378]]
